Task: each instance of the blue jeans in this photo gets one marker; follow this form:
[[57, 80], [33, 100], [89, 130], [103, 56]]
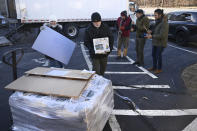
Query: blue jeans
[[55, 63], [157, 57]]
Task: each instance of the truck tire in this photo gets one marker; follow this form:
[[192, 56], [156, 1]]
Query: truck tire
[[181, 38], [71, 30]]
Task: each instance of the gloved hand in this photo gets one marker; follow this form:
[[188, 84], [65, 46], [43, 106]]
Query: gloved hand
[[122, 28], [42, 27], [132, 29]]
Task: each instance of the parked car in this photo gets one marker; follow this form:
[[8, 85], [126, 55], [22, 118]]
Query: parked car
[[182, 26]]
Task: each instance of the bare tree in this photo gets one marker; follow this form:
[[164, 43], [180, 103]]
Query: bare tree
[[166, 3]]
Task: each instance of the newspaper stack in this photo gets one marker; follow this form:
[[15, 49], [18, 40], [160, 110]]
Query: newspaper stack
[[90, 112]]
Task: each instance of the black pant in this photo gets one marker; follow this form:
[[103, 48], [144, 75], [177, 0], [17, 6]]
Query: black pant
[[99, 65], [157, 57]]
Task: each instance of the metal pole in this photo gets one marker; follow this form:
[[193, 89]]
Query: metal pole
[[14, 68], [14, 60]]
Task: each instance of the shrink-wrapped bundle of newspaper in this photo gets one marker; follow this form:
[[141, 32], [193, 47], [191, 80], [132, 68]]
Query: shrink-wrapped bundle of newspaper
[[90, 112]]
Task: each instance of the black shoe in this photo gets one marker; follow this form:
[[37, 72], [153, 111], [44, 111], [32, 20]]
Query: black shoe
[[118, 57], [135, 63], [140, 65], [124, 57]]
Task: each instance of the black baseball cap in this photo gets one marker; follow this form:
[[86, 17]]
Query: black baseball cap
[[140, 11]]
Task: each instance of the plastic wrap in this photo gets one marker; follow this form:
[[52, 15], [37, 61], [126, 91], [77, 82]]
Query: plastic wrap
[[89, 112]]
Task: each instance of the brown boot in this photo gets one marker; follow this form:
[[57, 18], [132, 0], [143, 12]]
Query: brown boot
[[125, 52], [157, 71], [119, 52], [151, 69]]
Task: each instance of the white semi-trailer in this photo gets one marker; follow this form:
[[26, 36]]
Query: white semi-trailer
[[72, 14]]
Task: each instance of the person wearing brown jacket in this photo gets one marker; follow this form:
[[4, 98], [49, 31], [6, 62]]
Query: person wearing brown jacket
[[142, 26]]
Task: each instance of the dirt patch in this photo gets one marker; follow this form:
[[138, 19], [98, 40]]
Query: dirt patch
[[189, 76]]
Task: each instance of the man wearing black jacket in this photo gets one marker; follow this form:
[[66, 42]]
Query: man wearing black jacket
[[98, 30]]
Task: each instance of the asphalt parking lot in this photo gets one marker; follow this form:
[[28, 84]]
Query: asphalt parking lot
[[162, 101]]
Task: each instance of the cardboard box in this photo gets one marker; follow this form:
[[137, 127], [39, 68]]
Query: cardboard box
[[52, 81], [89, 112]]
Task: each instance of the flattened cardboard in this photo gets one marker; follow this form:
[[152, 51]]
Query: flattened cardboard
[[55, 45], [36, 81], [72, 74], [48, 86]]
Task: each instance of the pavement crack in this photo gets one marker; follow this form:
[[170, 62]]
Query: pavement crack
[[134, 107]]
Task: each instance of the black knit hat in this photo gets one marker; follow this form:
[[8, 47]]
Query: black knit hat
[[123, 13], [96, 17], [140, 11]]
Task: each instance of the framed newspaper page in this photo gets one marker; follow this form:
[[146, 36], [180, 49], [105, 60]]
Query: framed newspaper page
[[101, 45]]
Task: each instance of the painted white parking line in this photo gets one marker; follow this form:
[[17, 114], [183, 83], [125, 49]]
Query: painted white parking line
[[192, 126], [143, 69], [108, 55], [109, 72], [1, 62], [112, 55], [43, 61], [178, 112], [88, 50], [183, 49], [147, 72], [132, 61], [115, 49], [143, 86], [114, 123], [126, 73], [132, 40], [86, 57], [119, 63]]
